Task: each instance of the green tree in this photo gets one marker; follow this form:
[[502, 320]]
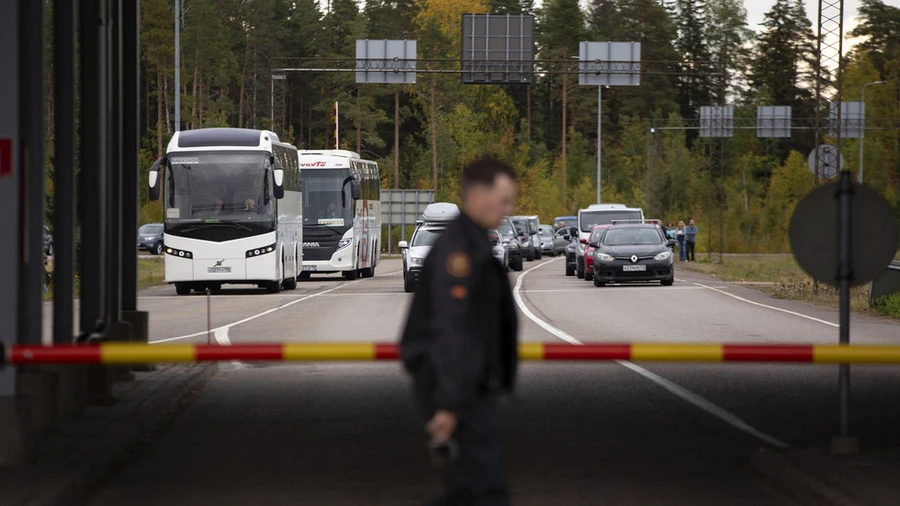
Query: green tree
[[694, 89]]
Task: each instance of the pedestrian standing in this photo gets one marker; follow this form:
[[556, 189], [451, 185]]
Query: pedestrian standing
[[690, 239], [679, 236], [460, 342]]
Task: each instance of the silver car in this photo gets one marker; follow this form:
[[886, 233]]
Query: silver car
[[498, 249]]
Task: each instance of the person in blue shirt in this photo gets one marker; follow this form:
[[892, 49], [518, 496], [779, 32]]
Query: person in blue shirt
[[690, 240]]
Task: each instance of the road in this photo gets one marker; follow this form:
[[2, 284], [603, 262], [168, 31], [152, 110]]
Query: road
[[577, 433]]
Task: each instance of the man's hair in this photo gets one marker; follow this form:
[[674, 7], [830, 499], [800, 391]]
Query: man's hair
[[484, 172]]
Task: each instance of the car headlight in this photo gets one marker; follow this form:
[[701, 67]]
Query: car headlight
[[603, 257], [513, 245], [416, 261], [663, 256], [343, 243], [526, 243]]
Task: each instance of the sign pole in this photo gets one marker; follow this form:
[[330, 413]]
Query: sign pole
[[845, 191], [599, 129], [336, 143]]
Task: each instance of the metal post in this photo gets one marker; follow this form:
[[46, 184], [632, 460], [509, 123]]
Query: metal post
[[390, 219], [131, 157], [64, 19], [31, 121], [599, 114], [93, 161], [114, 152], [177, 65], [845, 276]]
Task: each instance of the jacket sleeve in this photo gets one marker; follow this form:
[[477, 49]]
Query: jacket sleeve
[[454, 352]]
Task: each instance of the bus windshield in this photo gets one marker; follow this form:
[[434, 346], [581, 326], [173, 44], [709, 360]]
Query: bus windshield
[[322, 201], [591, 218], [216, 187]]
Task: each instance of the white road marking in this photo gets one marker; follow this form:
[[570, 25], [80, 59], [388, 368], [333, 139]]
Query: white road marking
[[221, 337], [258, 315], [614, 289], [671, 387], [249, 318], [773, 308]]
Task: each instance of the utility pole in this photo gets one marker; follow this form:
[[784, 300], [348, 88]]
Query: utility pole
[[177, 65]]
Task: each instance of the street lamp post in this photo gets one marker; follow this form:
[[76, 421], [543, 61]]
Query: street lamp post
[[862, 130]]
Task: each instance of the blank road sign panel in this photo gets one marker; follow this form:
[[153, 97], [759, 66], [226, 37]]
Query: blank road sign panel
[[773, 121], [716, 121], [609, 63], [386, 61], [497, 49], [853, 119]]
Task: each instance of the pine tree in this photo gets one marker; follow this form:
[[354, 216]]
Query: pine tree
[[727, 37], [695, 85], [880, 27], [603, 20]]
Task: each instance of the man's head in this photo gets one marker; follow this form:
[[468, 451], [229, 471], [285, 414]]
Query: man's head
[[488, 191], [691, 223]]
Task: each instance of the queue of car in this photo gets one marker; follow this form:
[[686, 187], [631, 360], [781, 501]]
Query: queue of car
[[604, 243]]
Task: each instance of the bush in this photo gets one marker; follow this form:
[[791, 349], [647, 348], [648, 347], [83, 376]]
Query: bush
[[889, 305]]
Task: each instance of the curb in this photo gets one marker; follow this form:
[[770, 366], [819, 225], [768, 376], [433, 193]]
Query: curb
[[89, 460], [785, 474]]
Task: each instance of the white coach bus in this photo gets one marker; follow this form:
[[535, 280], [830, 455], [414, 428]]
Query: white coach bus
[[233, 209], [341, 213]]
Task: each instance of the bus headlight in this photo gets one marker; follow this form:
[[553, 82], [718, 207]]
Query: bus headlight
[[255, 252], [178, 252], [343, 243]]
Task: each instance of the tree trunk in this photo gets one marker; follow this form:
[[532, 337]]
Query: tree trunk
[[166, 102], [528, 108], [200, 104], [194, 116], [434, 170], [565, 89], [243, 81], [397, 137], [146, 100], [159, 115]]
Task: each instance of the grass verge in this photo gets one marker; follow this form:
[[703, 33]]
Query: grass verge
[[782, 277], [151, 272]]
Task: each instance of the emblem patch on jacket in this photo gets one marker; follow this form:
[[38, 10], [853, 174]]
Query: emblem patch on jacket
[[459, 265]]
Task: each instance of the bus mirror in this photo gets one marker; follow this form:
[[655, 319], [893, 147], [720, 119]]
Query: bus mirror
[[354, 189], [278, 175], [153, 177]]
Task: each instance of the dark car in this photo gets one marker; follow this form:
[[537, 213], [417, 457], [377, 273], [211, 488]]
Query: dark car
[[571, 248], [633, 252], [525, 235], [150, 238], [510, 239]]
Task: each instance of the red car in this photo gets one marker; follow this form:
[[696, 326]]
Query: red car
[[596, 232]]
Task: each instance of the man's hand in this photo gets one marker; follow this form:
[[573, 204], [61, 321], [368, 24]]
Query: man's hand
[[441, 426]]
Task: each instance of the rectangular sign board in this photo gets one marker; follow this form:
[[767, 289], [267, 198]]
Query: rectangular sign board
[[386, 61], [773, 121], [609, 63], [716, 121], [853, 119], [497, 49]]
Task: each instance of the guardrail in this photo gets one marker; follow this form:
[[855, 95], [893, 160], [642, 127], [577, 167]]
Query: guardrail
[[136, 353]]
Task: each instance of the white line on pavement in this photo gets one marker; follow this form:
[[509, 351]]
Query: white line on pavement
[[773, 308], [671, 387], [249, 318], [221, 336]]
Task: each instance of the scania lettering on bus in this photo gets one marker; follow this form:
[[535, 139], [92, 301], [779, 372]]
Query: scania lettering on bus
[[341, 213], [233, 211]]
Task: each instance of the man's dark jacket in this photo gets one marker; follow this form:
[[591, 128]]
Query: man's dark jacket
[[460, 339]]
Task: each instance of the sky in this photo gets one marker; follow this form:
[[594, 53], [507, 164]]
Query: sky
[[756, 11]]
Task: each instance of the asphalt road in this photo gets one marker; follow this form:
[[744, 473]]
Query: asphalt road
[[577, 433]]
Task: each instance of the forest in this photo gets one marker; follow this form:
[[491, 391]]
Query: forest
[[747, 189]]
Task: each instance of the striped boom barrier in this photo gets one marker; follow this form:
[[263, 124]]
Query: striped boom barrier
[[134, 353]]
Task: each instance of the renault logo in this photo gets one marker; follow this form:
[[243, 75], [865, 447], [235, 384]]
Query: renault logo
[[634, 258]]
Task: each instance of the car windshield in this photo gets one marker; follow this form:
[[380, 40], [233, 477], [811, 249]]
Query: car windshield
[[632, 236], [219, 186], [506, 229], [591, 218], [546, 232], [151, 229], [426, 236], [326, 197], [596, 235], [521, 227]]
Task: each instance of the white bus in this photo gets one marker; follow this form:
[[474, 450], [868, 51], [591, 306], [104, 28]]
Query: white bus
[[233, 209], [341, 213]]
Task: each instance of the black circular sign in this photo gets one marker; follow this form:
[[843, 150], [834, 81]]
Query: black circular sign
[[815, 234]]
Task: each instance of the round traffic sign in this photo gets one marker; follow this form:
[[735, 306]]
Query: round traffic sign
[[829, 165], [815, 234]]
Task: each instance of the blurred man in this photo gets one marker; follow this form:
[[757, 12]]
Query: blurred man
[[460, 342]]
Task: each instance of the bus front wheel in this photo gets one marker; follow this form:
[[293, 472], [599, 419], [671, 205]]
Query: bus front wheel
[[183, 288], [351, 275], [273, 286]]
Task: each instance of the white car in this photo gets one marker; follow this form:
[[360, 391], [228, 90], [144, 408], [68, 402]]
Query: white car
[[498, 249], [434, 221]]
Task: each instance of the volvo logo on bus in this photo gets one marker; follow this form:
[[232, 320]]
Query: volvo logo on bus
[[311, 245]]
